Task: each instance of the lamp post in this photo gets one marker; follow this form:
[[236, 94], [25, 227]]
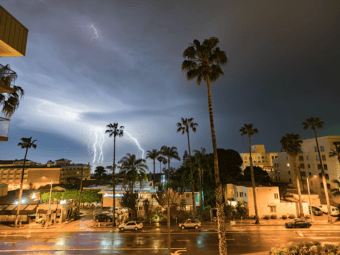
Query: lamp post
[[310, 204], [49, 207]]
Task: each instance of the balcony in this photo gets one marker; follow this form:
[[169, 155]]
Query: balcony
[[13, 35], [4, 127]]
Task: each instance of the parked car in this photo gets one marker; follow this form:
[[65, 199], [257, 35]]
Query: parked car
[[298, 224], [103, 217], [130, 225], [334, 210], [189, 223], [317, 211]]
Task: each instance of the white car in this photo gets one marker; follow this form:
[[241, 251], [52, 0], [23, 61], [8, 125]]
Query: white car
[[334, 210], [189, 223], [130, 225]]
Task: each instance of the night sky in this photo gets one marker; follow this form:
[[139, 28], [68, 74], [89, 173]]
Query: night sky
[[91, 63]]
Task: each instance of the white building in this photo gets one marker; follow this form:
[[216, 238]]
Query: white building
[[309, 165]]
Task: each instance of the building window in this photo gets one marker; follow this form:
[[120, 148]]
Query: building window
[[316, 149], [303, 173], [288, 165], [310, 174], [289, 172], [300, 149], [241, 194], [327, 177], [245, 194], [276, 196], [273, 209], [319, 166], [276, 157], [287, 158], [323, 157], [317, 157], [277, 164], [308, 165], [321, 185], [301, 158], [302, 166], [290, 180], [258, 157], [272, 157], [322, 148], [320, 176], [307, 157], [328, 186], [325, 167], [187, 195]]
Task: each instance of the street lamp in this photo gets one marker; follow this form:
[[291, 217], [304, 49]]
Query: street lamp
[[49, 208], [310, 204]]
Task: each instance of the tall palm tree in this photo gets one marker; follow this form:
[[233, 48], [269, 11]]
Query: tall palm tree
[[335, 153], [201, 163], [248, 130], [314, 123], [161, 159], [153, 155], [203, 62], [170, 153], [114, 131], [132, 168], [26, 143], [291, 144], [184, 127]]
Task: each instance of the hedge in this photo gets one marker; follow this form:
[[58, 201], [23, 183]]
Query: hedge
[[312, 248], [87, 196]]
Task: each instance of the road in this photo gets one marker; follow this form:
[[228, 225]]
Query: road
[[241, 241]]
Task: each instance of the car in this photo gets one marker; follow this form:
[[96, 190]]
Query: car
[[130, 225], [334, 210], [298, 224], [103, 217], [317, 211], [189, 223]]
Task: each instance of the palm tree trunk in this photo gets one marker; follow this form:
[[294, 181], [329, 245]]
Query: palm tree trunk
[[302, 216], [114, 181], [192, 181], [154, 171], [257, 221], [21, 186], [201, 201], [81, 189], [324, 181], [169, 226], [219, 194]]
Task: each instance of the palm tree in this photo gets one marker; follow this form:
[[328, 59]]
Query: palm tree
[[291, 144], [203, 62], [99, 172], [132, 169], [336, 192], [248, 130], [10, 101], [153, 155], [26, 143], [114, 131], [161, 159], [184, 127], [169, 153], [201, 163], [314, 123], [335, 153]]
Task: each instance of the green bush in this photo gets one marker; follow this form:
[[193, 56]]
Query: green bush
[[266, 217], [87, 196], [273, 216], [314, 248], [291, 216]]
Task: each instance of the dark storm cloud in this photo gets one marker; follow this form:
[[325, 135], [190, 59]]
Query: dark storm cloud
[[119, 61]]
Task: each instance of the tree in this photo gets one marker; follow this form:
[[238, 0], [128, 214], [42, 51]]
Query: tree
[[291, 144], [335, 153], [10, 101], [99, 172], [130, 200], [185, 156], [201, 163], [282, 188], [184, 127], [161, 159], [314, 123], [261, 176], [114, 131], [132, 169], [336, 192], [203, 62], [26, 143], [153, 155], [248, 130]]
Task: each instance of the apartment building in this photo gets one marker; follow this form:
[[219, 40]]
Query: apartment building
[[308, 164], [61, 171], [260, 158]]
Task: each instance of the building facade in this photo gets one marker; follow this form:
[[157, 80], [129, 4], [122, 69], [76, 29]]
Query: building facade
[[35, 174], [308, 165]]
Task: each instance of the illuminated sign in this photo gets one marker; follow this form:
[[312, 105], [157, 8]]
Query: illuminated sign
[[111, 195], [63, 202]]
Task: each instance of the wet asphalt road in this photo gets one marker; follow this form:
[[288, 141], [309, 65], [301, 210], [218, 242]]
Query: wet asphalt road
[[183, 242]]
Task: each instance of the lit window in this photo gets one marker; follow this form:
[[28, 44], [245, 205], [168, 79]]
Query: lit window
[[288, 165]]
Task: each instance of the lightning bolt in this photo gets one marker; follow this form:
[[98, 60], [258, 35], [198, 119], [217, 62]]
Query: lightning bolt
[[140, 149], [98, 142], [95, 31]]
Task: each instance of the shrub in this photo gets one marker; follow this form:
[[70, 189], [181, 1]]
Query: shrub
[[266, 217], [284, 217], [291, 216], [273, 216], [306, 248]]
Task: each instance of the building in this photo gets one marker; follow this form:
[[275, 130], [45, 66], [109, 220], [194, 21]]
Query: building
[[308, 165], [35, 174], [268, 200], [260, 159], [147, 192]]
